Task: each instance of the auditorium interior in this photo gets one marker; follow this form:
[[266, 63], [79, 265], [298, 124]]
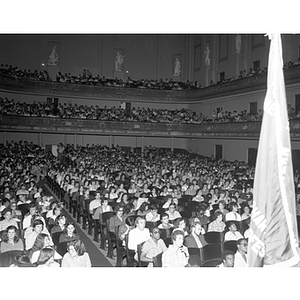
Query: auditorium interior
[[145, 122]]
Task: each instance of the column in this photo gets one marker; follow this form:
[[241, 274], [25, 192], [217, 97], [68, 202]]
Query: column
[[4, 138], [40, 139], [142, 146], [172, 144], [110, 141], [75, 140]]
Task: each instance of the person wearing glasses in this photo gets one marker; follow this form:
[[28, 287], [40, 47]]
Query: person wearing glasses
[[152, 247], [240, 257], [172, 212], [118, 219]]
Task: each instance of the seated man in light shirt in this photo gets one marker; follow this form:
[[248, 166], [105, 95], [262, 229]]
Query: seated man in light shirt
[[154, 246], [28, 216], [153, 216], [177, 254], [233, 215], [233, 234], [138, 235], [94, 204], [172, 212], [165, 222]]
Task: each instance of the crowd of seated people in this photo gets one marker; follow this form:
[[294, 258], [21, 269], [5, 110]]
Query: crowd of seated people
[[87, 78], [69, 110], [15, 72], [162, 206], [29, 216], [127, 182]]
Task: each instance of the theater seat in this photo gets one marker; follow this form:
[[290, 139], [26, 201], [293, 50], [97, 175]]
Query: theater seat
[[61, 248], [8, 258], [157, 260]]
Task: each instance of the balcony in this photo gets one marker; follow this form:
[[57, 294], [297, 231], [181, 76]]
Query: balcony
[[245, 130], [245, 85]]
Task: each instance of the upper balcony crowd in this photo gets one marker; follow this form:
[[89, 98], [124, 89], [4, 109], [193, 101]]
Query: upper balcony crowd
[[87, 78]]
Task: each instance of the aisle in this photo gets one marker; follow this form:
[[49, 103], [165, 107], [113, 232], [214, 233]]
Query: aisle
[[97, 258]]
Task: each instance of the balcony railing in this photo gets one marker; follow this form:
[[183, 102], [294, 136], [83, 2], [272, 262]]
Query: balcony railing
[[249, 84], [97, 127]]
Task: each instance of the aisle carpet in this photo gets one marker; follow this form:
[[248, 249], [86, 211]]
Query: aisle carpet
[[97, 256]]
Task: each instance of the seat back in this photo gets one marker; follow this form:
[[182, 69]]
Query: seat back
[[130, 220], [165, 233], [186, 214], [157, 260], [61, 248], [231, 245], [55, 237], [24, 209], [194, 251], [212, 263], [129, 253], [213, 237], [139, 252], [151, 225], [211, 251], [105, 216], [8, 258]]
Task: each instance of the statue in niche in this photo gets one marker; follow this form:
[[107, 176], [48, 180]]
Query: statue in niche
[[177, 69], [53, 57], [119, 59], [238, 43], [207, 53]]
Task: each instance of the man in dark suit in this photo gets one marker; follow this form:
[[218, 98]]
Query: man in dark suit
[[195, 239]]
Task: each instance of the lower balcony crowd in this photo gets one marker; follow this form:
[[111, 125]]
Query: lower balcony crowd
[[160, 209], [150, 115]]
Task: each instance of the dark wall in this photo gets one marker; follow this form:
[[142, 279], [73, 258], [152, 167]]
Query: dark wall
[[147, 56]]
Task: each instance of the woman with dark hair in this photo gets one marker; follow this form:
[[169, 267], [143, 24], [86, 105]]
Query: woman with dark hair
[[124, 199], [222, 209], [56, 212], [246, 212], [52, 205], [59, 224], [76, 255], [42, 241], [217, 224], [46, 259], [143, 210], [11, 240], [16, 214], [69, 233]]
